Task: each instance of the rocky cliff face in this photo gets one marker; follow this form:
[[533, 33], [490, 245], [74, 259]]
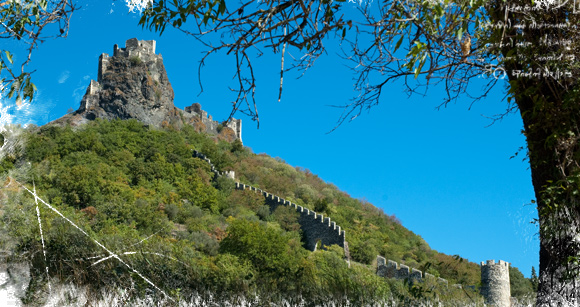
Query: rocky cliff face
[[133, 83]]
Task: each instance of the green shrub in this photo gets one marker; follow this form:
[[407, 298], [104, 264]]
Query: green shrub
[[171, 210], [135, 60], [263, 213], [519, 285], [204, 242], [277, 256]]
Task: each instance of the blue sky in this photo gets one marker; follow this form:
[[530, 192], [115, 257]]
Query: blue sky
[[445, 175]]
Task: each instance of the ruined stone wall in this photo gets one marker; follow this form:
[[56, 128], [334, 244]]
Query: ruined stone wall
[[229, 174], [133, 83], [315, 227], [495, 283], [145, 50], [390, 269], [211, 126], [236, 125]]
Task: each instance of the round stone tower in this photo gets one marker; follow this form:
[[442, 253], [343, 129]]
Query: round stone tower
[[495, 282]]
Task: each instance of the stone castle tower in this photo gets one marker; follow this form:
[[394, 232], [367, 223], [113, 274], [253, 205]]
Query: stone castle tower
[[495, 282], [133, 84]]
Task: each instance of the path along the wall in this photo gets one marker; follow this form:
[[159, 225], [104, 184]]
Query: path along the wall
[[317, 230]]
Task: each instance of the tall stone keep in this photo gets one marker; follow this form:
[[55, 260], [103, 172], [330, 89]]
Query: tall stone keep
[[495, 282]]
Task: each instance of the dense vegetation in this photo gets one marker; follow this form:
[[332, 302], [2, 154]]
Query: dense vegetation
[[139, 192]]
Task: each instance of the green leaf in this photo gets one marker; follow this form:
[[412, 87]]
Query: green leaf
[[459, 33], [222, 7], [8, 56], [399, 43]]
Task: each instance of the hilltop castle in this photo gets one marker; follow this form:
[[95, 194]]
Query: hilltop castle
[[133, 83]]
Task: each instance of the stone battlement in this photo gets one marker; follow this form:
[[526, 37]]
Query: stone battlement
[[319, 229], [229, 174], [136, 47], [391, 269], [144, 50], [495, 283], [211, 125], [315, 227], [492, 263]]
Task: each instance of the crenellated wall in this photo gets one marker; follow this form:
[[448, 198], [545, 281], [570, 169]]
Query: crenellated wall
[[391, 269], [212, 125], [315, 227], [147, 94], [145, 50], [229, 174], [495, 283]]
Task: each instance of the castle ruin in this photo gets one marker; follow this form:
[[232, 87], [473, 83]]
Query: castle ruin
[[390, 269], [317, 229], [210, 125], [133, 83], [495, 283], [495, 279]]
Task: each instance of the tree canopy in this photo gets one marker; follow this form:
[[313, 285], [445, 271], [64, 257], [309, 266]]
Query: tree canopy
[[29, 22]]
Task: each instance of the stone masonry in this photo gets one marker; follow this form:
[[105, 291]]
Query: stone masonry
[[316, 228], [133, 84], [210, 125], [495, 279], [390, 269], [495, 283]]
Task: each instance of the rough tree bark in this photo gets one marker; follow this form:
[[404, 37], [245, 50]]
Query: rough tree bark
[[550, 111]]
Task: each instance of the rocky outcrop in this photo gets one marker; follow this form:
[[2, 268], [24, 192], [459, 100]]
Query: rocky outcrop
[[133, 84]]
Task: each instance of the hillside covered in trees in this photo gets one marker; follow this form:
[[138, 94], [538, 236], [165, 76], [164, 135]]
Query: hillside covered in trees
[[139, 191]]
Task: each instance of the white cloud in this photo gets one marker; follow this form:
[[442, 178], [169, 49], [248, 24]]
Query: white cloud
[[11, 114], [63, 76], [81, 88], [79, 92], [137, 5]]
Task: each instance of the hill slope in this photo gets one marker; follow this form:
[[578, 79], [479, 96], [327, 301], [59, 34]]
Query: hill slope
[[138, 189]]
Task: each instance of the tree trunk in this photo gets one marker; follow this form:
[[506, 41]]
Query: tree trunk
[[557, 201], [550, 109]]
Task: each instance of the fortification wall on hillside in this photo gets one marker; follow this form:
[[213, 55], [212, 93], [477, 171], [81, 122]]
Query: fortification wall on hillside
[[315, 227], [212, 125], [229, 174], [391, 269]]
